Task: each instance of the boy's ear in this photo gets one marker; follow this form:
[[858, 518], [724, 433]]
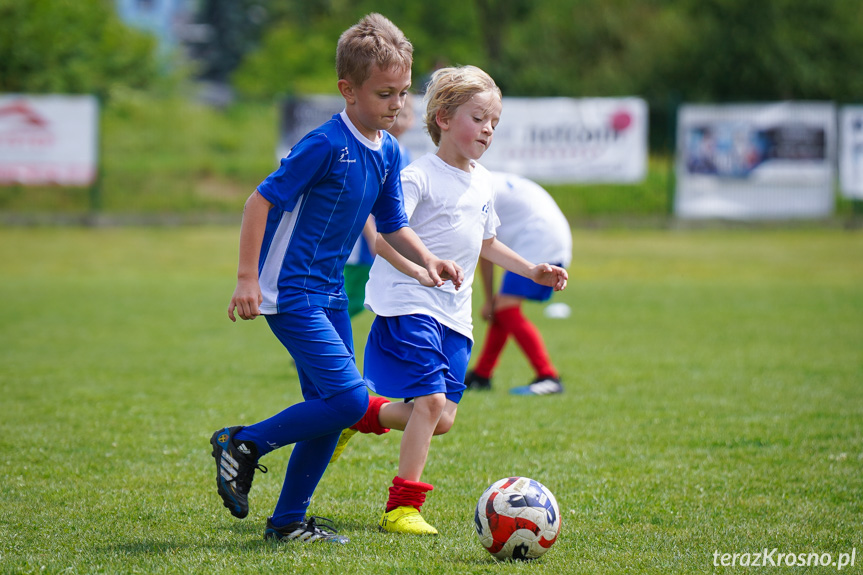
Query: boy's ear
[[442, 119], [347, 91]]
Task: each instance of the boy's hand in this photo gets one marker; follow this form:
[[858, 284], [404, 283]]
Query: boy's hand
[[440, 271], [246, 300], [487, 310], [549, 275]]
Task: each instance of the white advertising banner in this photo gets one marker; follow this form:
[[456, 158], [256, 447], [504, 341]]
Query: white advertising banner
[[756, 161], [851, 152], [546, 139], [571, 140], [46, 140]]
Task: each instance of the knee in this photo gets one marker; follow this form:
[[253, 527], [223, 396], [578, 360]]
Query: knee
[[444, 424], [351, 405], [431, 406]]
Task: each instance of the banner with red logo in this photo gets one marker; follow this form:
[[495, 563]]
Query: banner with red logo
[[545, 139], [47, 140], [571, 140]]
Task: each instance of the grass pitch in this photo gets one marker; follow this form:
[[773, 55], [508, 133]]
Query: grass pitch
[[714, 404]]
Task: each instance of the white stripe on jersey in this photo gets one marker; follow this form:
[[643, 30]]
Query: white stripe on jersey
[[269, 278]]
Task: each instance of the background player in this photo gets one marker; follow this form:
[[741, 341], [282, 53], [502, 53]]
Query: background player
[[532, 224]]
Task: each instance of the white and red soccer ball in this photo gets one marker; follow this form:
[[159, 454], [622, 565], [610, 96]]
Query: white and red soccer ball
[[517, 518]]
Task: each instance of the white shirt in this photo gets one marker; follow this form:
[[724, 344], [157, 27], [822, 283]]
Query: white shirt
[[531, 223], [452, 211]]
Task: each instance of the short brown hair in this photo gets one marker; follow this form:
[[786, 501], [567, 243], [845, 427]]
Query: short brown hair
[[449, 88], [372, 40]]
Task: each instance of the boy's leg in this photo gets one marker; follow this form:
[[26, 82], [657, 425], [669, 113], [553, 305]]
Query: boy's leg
[[495, 341], [396, 415], [418, 433], [529, 340], [432, 372], [384, 415], [309, 419], [408, 493], [320, 341], [514, 290]]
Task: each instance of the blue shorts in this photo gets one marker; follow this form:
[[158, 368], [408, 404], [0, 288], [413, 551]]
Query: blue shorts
[[415, 355], [321, 342], [520, 286]]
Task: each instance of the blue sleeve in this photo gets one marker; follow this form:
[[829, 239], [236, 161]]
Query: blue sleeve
[[389, 209], [307, 163]]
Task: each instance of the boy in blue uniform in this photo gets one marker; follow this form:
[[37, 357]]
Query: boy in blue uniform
[[298, 229]]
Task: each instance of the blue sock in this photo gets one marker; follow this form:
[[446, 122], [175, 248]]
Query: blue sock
[[307, 420], [309, 460], [313, 427]]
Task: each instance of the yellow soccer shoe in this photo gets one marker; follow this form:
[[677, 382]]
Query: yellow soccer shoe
[[406, 519], [343, 442]]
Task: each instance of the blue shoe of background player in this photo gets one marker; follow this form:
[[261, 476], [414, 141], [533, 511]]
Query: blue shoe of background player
[[539, 386]]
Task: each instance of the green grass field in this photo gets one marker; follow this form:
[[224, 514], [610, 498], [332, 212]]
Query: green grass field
[[714, 403]]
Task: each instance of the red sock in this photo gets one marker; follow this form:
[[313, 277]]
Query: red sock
[[528, 339], [410, 493], [370, 422], [495, 340]]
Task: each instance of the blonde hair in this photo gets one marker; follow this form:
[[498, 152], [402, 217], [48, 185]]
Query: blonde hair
[[449, 88], [374, 40]]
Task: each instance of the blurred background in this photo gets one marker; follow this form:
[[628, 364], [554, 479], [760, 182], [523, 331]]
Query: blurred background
[[187, 97]]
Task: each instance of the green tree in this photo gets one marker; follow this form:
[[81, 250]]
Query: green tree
[[697, 50], [297, 50], [289, 61], [769, 50], [235, 30], [62, 46]]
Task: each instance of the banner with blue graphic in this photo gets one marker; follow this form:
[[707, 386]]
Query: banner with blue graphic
[[756, 161]]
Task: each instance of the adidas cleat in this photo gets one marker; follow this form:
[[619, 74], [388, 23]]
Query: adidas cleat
[[307, 531], [405, 519], [236, 463]]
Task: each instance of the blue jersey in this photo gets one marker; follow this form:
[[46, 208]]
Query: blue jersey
[[322, 194], [362, 253]]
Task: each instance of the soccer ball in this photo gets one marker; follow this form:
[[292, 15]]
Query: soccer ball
[[517, 518]]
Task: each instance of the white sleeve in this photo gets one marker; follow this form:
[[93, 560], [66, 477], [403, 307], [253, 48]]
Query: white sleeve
[[412, 190], [492, 222]]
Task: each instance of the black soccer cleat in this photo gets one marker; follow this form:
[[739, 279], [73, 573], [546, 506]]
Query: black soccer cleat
[[474, 381], [236, 463], [306, 531]]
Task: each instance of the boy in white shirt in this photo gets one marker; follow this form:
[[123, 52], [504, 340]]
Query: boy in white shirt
[[420, 342]]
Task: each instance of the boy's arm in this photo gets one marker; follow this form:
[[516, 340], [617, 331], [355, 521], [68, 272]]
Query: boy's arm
[[247, 296], [406, 252], [544, 274], [486, 270], [370, 233]]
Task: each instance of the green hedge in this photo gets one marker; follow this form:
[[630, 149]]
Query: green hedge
[[175, 156]]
